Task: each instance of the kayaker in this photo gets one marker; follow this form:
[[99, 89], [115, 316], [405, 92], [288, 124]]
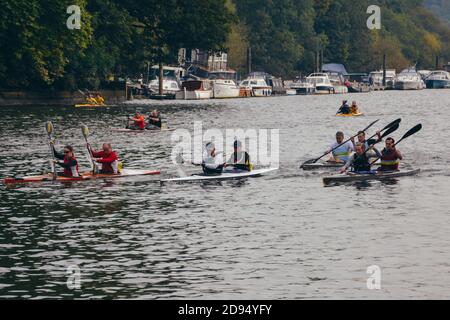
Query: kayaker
[[354, 109], [344, 109], [209, 163], [239, 159], [362, 140], [360, 160], [107, 158], [390, 157], [138, 122], [70, 163], [154, 120], [342, 153]]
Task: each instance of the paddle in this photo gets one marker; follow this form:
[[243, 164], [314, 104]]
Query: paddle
[[315, 160], [393, 123], [49, 129], [412, 131], [85, 131]]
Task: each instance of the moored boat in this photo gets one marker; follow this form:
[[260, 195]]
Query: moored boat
[[438, 80], [257, 86], [195, 90], [409, 79], [223, 84]]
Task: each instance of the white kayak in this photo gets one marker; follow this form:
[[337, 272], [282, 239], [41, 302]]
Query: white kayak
[[141, 131], [226, 175]]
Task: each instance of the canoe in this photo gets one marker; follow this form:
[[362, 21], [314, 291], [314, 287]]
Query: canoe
[[89, 105], [226, 175], [84, 176], [359, 114], [140, 131], [322, 165], [354, 177]]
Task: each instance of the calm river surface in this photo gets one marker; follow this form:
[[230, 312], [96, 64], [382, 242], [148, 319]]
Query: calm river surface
[[279, 236]]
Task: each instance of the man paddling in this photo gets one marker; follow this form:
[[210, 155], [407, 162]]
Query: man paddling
[[390, 157], [138, 122], [70, 163], [209, 163], [154, 121], [342, 153], [107, 158], [360, 160], [239, 159], [345, 108], [362, 139]]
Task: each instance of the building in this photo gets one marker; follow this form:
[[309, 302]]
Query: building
[[212, 62]]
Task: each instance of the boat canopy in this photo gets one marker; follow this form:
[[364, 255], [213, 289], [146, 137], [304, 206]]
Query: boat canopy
[[335, 68]]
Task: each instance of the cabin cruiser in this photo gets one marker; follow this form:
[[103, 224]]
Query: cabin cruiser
[[438, 80], [195, 90], [409, 79], [376, 78], [304, 87], [257, 85], [223, 84], [171, 80], [337, 81], [321, 82]]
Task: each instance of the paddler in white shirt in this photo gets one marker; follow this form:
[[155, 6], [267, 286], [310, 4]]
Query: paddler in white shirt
[[341, 154], [210, 164]]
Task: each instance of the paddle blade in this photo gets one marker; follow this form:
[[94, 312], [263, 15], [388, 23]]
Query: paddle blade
[[85, 130], [49, 127], [393, 123], [390, 130], [412, 131]]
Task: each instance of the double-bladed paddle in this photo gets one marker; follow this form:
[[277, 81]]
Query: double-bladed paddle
[[410, 132], [85, 131], [315, 160], [49, 129]]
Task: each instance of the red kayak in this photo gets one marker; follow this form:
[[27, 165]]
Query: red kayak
[[84, 176]]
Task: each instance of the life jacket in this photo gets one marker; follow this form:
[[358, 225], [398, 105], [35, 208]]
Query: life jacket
[[361, 163], [389, 160], [241, 161], [140, 123], [73, 170]]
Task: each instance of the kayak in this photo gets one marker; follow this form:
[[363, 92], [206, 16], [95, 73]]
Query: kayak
[[84, 176], [359, 114], [140, 131], [354, 177], [90, 105], [226, 175], [322, 165]]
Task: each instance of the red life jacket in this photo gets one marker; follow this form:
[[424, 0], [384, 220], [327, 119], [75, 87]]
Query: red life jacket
[[72, 171], [389, 160]]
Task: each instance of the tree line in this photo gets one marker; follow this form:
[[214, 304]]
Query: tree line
[[118, 38]]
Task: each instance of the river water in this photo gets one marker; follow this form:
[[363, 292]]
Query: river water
[[280, 236]]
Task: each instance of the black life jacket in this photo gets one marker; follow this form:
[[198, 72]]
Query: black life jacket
[[361, 163]]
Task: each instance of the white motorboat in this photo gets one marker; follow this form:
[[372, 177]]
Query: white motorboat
[[304, 87], [438, 80], [376, 78], [195, 90], [321, 82], [171, 80], [257, 86], [409, 79], [223, 84]]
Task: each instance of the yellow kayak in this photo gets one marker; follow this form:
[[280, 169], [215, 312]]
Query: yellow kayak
[[90, 105], [359, 114]]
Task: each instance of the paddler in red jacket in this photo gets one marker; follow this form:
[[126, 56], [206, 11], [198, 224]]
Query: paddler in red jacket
[[138, 122], [390, 157], [70, 163], [108, 159]]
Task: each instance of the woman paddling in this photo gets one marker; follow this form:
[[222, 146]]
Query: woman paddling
[[70, 163]]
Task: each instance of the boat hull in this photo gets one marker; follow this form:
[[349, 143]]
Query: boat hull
[[410, 85], [226, 175], [84, 176], [438, 84], [222, 91], [352, 177]]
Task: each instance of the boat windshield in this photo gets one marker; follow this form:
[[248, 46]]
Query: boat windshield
[[167, 74], [222, 75]]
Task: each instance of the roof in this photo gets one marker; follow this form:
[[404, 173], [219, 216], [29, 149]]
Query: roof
[[334, 67]]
